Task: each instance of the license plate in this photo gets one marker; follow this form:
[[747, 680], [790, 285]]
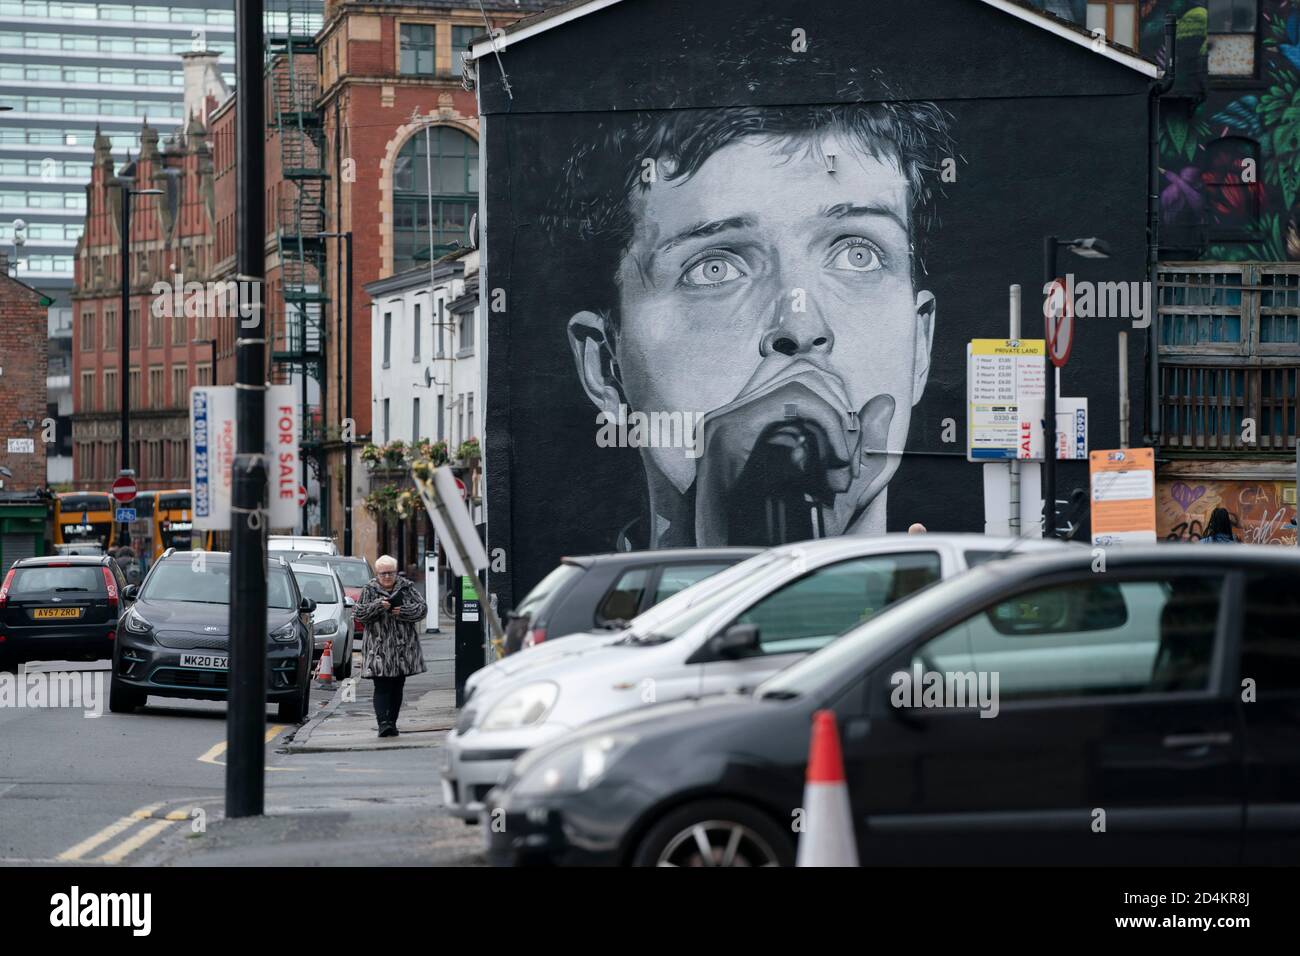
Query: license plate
[[45, 613], [218, 662]]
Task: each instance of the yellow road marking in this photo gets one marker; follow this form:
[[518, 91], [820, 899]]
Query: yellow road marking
[[216, 750], [106, 834], [139, 839]]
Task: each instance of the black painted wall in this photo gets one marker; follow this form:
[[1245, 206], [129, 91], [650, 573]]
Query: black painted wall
[[1046, 138]]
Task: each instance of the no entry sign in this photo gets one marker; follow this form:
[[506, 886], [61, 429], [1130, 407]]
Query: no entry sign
[[1058, 310], [124, 490]]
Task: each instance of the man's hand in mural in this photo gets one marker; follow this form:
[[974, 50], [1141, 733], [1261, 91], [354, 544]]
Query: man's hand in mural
[[790, 458]]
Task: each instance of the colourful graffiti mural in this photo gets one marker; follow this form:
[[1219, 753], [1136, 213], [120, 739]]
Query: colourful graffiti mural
[[1230, 163], [1261, 510]]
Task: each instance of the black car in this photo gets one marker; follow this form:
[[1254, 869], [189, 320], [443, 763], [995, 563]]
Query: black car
[[59, 607], [173, 639], [607, 590], [1146, 714]]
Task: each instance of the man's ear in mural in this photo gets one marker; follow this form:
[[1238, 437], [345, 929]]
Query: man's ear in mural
[[925, 315], [593, 352]]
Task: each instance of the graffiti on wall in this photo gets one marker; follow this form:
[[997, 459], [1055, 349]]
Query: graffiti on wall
[[1261, 510], [1232, 163], [759, 326]]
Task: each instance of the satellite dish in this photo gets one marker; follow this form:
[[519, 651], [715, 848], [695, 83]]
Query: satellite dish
[[428, 376]]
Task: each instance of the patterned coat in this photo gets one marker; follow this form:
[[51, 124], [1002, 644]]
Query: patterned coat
[[391, 645]]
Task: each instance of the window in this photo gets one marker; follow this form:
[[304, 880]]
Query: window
[[87, 391], [88, 331], [1118, 19], [178, 329], [133, 386], [460, 417], [155, 329], [156, 384], [1231, 29], [180, 386], [460, 37], [624, 598], [111, 389], [202, 375], [386, 433], [85, 461], [467, 333], [681, 576], [134, 330], [415, 420], [419, 43], [110, 330], [442, 421], [1088, 638], [436, 172], [415, 333], [470, 415], [442, 321], [808, 613], [1270, 652], [1214, 325], [388, 338]]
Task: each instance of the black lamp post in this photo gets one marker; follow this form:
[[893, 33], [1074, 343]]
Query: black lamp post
[[1091, 248], [124, 536]]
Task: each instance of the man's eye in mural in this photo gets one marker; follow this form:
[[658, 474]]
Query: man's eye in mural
[[855, 254], [711, 270]]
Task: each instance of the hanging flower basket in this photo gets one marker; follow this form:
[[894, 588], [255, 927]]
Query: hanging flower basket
[[469, 453]]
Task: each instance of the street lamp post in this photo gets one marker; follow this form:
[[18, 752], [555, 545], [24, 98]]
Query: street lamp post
[[347, 413], [1091, 248], [124, 363]]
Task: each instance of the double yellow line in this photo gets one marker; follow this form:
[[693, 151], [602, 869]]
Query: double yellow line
[[160, 821]]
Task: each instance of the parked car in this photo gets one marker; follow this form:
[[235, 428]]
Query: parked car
[[605, 591], [354, 573], [173, 640], [584, 643], [1122, 700], [790, 601], [59, 607], [332, 618], [301, 544]]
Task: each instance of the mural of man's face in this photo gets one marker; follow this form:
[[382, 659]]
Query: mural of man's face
[[775, 298]]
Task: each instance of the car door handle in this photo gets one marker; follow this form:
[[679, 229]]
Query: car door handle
[[1181, 741]]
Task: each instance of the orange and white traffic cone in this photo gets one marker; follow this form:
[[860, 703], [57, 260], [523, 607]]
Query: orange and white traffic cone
[[325, 670], [827, 838]]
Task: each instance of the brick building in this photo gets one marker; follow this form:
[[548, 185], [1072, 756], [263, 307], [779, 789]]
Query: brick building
[[23, 362], [171, 234]]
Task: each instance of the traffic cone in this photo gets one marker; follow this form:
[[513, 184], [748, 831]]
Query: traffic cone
[[827, 838], [325, 670]]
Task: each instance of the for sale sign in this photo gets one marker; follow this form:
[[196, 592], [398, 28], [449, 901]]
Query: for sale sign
[[285, 473]]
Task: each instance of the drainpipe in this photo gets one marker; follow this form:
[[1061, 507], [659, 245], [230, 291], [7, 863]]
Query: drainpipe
[[1158, 89]]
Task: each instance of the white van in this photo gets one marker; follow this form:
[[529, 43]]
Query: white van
[[301, 544]]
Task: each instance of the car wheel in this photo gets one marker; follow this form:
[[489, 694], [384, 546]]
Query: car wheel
[[715, 833], [123, 699], [295, 711]]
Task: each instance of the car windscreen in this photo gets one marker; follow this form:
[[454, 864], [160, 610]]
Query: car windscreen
[[84, 579], [679, 613], [841, 658], [318, 587], [551, 584], [208, 582]]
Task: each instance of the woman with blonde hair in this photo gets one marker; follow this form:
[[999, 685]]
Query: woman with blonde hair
[[390, 609]]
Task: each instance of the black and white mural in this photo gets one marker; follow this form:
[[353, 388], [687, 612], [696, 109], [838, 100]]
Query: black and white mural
[[738, 250]]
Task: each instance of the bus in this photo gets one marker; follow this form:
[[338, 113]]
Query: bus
[[83, 518], [173, 523]]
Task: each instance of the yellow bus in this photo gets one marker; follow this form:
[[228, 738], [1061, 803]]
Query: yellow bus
[[173, 522], [83, 518]]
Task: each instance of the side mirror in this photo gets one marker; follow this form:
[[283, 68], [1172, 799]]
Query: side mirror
[[739, 640], [307, 606], [348, 602], [130, 592]]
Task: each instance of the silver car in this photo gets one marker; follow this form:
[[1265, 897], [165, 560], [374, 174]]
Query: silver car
[[728, 632], [332, 619]]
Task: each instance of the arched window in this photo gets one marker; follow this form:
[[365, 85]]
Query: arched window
[[436, 171]]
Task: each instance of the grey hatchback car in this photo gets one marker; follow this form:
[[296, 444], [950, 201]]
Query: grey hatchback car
[[603, 591]]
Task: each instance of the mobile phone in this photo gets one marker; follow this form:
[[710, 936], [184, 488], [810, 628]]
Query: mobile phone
[[395, 600]]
